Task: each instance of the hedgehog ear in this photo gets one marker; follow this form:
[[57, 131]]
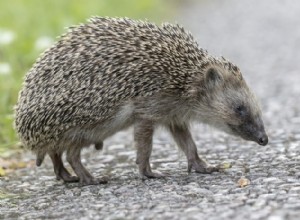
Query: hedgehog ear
[[213, 78]]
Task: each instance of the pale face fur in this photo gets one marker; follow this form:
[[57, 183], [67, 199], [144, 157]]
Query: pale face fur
[[227, 104]]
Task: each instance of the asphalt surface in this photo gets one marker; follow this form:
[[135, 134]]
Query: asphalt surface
[[263, 38]]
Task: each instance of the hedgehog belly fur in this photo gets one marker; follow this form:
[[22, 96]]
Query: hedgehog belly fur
[[91, 134]]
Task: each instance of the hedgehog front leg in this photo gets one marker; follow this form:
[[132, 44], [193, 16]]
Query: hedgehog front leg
[[59, 169], [184, 140], [85, 178], [143, 132]]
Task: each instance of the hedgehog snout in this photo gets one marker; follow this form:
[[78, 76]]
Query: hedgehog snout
[[263, 139], [260, 133], [251, 131]]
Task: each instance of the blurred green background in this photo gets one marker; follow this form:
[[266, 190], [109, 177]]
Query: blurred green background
[[28, 27]]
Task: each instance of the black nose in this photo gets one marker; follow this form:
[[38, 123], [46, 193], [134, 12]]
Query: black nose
[[263, 140]]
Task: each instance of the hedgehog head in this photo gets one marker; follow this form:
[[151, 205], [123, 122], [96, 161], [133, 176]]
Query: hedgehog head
[[226, 102]]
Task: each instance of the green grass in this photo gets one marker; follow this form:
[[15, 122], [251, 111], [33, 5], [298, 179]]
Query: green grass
[[29, 20]]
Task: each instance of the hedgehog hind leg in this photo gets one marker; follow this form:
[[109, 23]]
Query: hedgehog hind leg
[[85, 178], [59, 169]]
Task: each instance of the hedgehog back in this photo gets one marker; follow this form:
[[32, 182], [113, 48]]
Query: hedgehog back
[[95, 67]]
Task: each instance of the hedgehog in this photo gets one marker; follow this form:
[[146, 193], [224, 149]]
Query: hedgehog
[[108, 74]]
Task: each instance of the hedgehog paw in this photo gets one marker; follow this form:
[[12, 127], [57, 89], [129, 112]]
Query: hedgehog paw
[[207, 170], [201, 166], [93, 181], [70, 179], [66, 176], [152, 175]]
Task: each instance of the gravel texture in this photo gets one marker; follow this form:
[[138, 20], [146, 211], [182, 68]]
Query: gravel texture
[[263, 38]]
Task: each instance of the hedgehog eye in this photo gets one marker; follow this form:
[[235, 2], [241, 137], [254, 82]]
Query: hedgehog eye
[[240, 110]]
